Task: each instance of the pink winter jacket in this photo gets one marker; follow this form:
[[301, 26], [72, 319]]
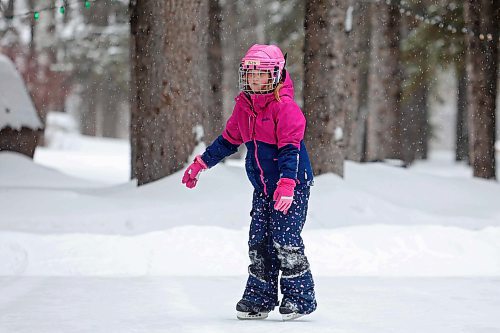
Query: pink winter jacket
[[273, 132]]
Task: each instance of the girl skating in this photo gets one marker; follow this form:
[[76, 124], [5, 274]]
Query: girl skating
[[271, 125]]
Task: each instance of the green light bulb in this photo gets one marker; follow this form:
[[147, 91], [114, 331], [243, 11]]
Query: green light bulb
[[36, 16], [87, 4], [62, 9]]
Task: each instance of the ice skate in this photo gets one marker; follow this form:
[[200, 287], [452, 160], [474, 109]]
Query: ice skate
[[246, 310], [289, 312]]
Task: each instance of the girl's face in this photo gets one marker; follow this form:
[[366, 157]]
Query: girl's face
[[259, 81]]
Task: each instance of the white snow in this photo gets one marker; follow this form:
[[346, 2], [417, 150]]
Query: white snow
[[16, 107], [348, 19], [392, 249]]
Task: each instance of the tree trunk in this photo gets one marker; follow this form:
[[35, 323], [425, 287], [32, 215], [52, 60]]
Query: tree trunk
[[357, 66], [88, 115], [241, 28], [462, 144], [214, 121], [232, 54], [326, 88], [168, 57], [384, 130], [482, 18], [414, 102], [112, 109], [414, 114], [423, 128], [67, 11], [94, 86], [98, 13], [9, 11]]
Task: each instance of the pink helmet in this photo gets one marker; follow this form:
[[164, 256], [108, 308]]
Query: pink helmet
[[258, 60]]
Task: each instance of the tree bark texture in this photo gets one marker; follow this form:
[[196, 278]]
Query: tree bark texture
[[384, 95], [214, 121], [169, 69], [462, 142], [415, 125], [326, 85], [356, 65], [88, 114], [482, 19]]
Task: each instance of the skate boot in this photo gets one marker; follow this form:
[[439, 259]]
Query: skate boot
[[248, 310], [289, 311]]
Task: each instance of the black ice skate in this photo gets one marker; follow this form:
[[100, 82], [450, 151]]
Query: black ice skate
[[248, 310], [289, 311]]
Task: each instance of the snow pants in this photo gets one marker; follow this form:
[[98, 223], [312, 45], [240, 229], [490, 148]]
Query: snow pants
[[275, 244]]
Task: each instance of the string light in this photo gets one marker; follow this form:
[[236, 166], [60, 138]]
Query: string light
[[62, 9], [436, 21]]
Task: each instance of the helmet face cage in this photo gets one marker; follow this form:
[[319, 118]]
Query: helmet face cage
[[259, 77]]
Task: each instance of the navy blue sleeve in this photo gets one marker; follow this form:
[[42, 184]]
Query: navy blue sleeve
[[288, 161], [218, 150]]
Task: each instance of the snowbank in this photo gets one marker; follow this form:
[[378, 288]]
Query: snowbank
[[430, 251], [379, 221]]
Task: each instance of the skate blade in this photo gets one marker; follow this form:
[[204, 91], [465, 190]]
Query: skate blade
[[291, 316], [251, 316]]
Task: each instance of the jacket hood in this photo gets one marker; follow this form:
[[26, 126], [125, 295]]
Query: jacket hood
[[287, 89]]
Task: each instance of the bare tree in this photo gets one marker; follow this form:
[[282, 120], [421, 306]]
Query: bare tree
[[169, 67], [326, 85], [482, 19]]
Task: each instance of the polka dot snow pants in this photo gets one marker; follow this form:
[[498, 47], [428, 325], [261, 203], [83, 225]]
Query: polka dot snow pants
[[275, 244]]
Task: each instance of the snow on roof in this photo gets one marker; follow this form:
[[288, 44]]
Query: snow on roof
[[16, 107]]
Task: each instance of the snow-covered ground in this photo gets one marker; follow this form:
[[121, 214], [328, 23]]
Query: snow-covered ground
[[82, 249]]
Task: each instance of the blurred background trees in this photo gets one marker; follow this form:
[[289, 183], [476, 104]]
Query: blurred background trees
[[74, 60], [377, 80]]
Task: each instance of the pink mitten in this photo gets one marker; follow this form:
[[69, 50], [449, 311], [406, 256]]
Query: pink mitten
[[284, 194], [191, 174]]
